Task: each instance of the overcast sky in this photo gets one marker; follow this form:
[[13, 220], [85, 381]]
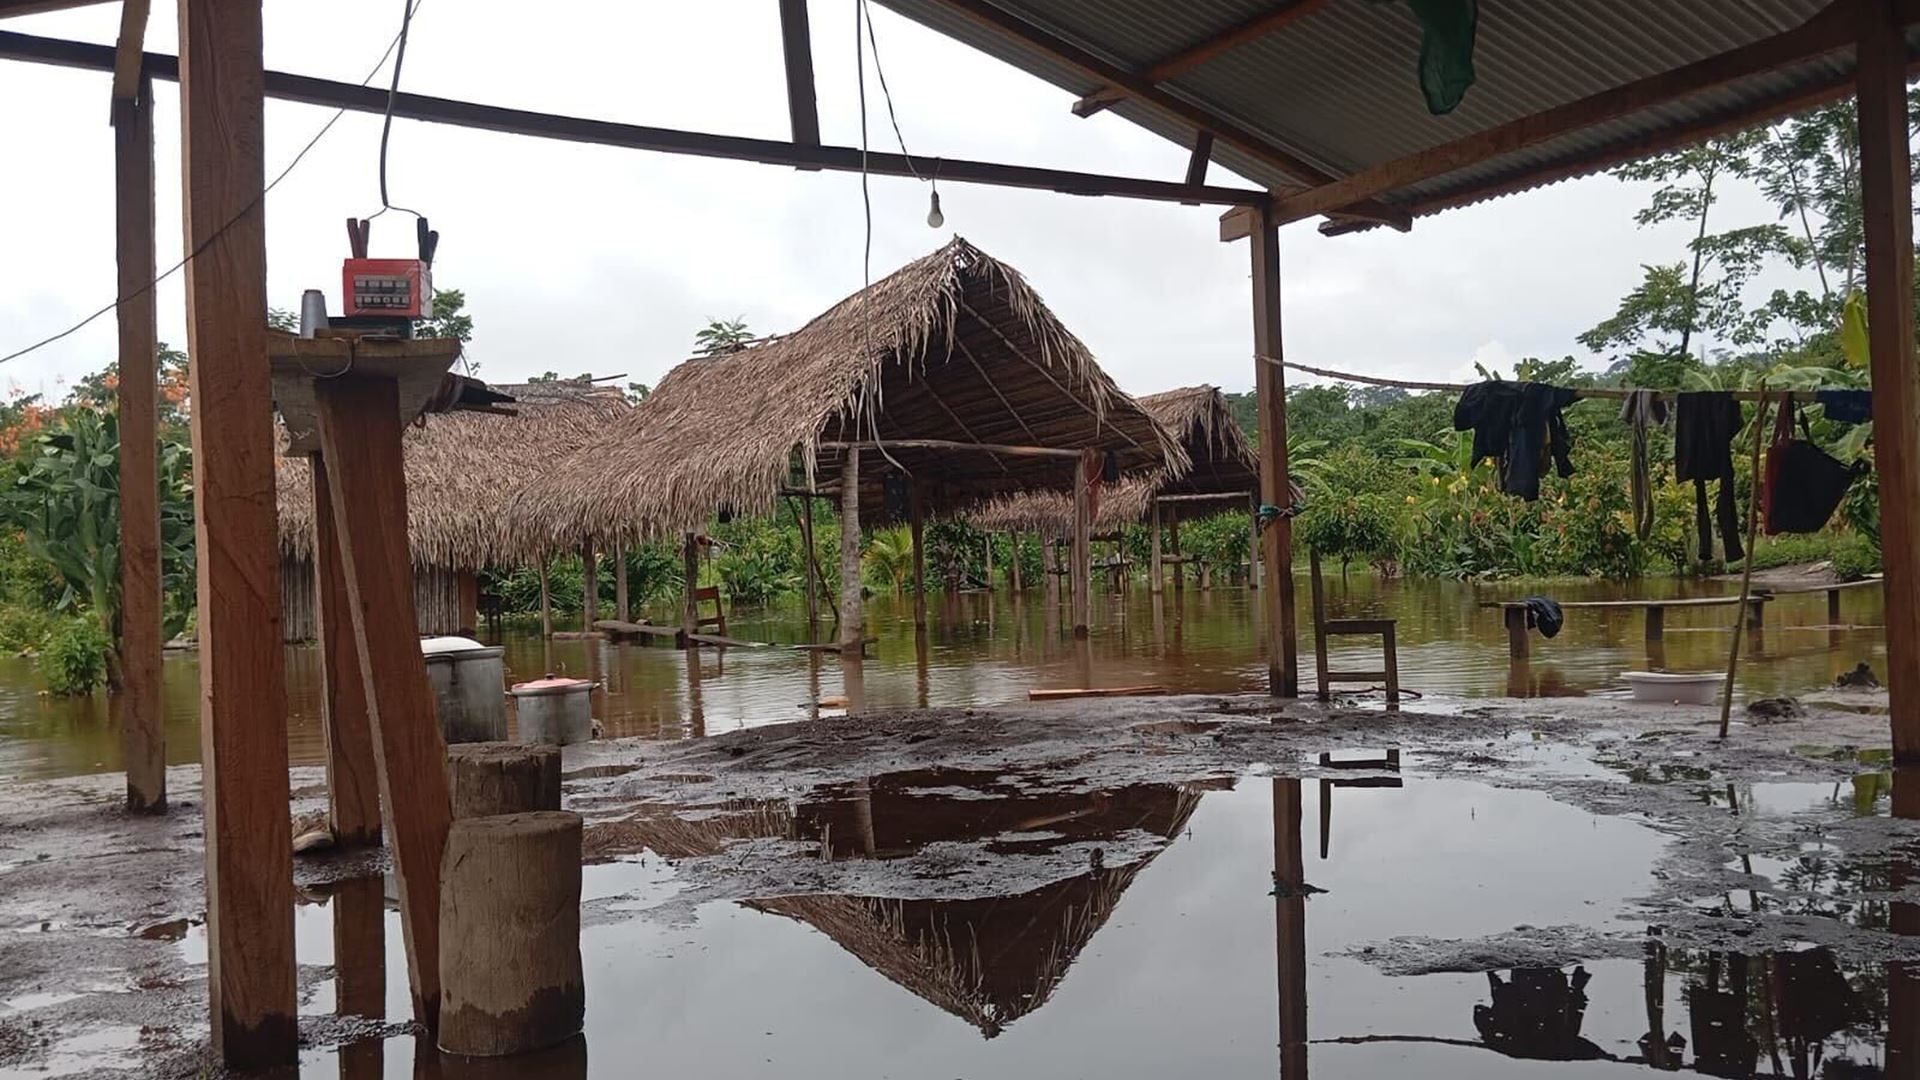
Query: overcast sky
[[581, 258]]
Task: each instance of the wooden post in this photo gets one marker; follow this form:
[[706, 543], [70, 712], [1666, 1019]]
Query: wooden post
[[1518, 647], [1179, 559], [1886, 188], [243, 702], [689, 587], [589, 586], [812, 570], [1253, 548], [360, 436], [546, 601], [621, 608], [512, 951], [916, 525], [1156, 571], [1013, 561], [852, 622], [1656, 623], [1082, 558], [353, 781], [142, 731], [488, 778], [988, 582], [1833, 607], [1270, 390]]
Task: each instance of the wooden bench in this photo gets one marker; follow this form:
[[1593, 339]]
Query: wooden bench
[[1324, 628], [1514, 612], [1833, 592]]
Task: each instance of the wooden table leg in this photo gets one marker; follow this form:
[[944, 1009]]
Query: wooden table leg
[[1517, 645], [1833, 607], [1656, 623], [1391, 644], [360, 435]]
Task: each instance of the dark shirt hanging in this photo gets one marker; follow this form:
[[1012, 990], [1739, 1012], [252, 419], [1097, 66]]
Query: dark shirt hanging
[[1846, 406], [1544, 615], [1704, 424], [1804, 484], [1517, 425]]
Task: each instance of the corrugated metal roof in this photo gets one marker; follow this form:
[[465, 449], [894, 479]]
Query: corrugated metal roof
[[1338, 88]]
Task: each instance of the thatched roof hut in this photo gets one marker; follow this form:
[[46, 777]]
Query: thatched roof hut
[[1222, 462], [463, 470], [954, 346]]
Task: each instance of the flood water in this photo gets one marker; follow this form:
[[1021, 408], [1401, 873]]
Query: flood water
[[1222, 951], [985, 648]]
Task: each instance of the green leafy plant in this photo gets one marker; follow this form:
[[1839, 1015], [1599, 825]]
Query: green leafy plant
[[74, 659]]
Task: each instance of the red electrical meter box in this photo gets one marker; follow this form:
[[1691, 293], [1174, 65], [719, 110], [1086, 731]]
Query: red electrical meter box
[[394, 288]]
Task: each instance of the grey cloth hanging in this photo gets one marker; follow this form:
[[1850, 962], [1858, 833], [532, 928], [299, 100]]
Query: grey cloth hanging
[[1643, 409]]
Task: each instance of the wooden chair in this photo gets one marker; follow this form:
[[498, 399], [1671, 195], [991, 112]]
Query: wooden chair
[[702, 621], [1324, 628]]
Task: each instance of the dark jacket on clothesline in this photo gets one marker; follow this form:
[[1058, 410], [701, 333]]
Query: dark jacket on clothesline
[[1704, 424], [1518, 425]]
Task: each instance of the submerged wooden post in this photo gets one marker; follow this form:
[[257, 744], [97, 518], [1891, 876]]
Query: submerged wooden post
[[353, 780], [1156, 570], [1270, 390], [511, 956], [243, 707], [622, 610], [589, 586], [360, 437], [142, 731], [1886, 188], [1253, 547], [989, 574], [467, 587], [1081, 561], [689, 589], [546, 601], [852, 620], [1013, 560], [917, 527]]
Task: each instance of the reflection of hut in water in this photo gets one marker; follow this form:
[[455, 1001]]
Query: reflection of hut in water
[[987, 960], [463, 469], [994, 959], [1224, 474]]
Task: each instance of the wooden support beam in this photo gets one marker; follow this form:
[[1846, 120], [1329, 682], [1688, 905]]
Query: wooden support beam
[[1082, 558], [1886, 189], [961, 347], [243, 701], [852, 622], [360, 432], [796, 47], [1021, 354], [143, 736], [1270, 391], [128, 50], [1253, 546], [372, 99], [1156, 570], [1830, 30], [346, 729], [589, 586], [916, 527], [622, 609], [546, 601], [950, 444], [989, 571], [811, 570], [926, 387], [1172, 67], [1202, 157], [10, 8], [1013, 561], [689, 589]]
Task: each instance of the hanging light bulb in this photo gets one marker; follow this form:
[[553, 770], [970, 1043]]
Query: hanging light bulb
[[935, 218]]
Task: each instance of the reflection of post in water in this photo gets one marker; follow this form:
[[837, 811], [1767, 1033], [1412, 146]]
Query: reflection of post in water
[[1083, 661], [813, 684], [1662, 1050], [360, 968], [567, 1061], [922, 681], [696, 710], [1290, 926], [1536, 1014], [1903, 980], [853, 683], [1656, 652], [1159, 601], [1389, 761]]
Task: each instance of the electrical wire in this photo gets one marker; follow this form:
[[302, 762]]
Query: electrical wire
[[892, 117], [407, 8], [866, 205], [217, 233]]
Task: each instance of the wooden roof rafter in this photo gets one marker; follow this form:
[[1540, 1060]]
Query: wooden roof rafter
[[1172, 67]]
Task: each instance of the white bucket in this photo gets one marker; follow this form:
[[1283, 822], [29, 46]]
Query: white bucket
[[1675, 687]]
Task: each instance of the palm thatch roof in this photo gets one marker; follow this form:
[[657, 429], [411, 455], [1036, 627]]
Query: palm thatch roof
[[953, 346], [463, 470], [1222, 462]]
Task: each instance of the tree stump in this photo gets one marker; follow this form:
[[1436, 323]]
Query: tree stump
[[488, 778], [510, 934]]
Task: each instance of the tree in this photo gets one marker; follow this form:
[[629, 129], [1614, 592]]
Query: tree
[[447, 319], [721, 336]]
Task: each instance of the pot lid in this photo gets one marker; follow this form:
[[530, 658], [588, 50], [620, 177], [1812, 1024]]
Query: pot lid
[[551, 685]]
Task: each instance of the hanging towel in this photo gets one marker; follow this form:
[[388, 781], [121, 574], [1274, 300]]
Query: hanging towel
[[1641, 410], [1518, 425], [1846, 406], [1804, 484], [1704, 424]]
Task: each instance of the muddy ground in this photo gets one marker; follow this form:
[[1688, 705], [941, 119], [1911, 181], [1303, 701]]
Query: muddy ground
[[94, 903]]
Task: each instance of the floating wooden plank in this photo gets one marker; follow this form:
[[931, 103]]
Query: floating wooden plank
[[1758, 597], [832, 646], [1096, 692]]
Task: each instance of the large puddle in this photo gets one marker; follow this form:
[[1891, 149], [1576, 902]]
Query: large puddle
[[965, 924], [991, 648]]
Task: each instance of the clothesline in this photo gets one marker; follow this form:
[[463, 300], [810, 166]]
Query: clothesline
[[1611, 393]]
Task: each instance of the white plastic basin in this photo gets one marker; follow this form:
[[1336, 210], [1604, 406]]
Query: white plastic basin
[[1675, 687]]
